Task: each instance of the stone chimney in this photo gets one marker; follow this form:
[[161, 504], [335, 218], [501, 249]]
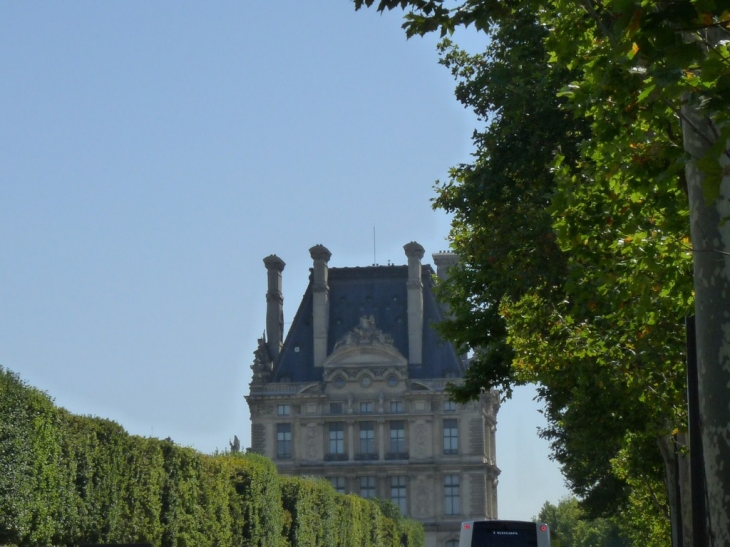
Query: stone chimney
[[274, 306], [414, 252], [444, 260], [321, 301]]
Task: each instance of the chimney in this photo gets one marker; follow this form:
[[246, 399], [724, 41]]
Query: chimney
[[414, 252], [274, 306], [444, 260], [321, 301]]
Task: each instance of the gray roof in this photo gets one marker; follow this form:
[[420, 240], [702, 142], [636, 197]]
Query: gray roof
[[379, 291]]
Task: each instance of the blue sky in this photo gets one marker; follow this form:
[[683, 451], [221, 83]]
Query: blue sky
[[153, 153]]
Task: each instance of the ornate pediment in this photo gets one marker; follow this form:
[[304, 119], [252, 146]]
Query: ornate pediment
[[365, 345]]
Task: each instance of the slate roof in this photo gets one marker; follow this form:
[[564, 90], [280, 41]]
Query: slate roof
[[379, 291]]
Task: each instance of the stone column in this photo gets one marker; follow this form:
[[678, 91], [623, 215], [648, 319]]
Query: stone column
[[381, 440], [487, 432], [437, 437], [320, 294], [382, 486], [274, 306], [414, 252], [350, 448]]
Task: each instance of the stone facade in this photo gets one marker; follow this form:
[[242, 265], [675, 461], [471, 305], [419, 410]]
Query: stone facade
[[356, 394]]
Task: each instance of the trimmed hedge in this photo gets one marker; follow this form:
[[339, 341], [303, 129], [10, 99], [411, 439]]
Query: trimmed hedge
[[66, 480]]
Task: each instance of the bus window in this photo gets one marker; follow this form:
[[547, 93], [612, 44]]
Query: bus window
[[504, 533]]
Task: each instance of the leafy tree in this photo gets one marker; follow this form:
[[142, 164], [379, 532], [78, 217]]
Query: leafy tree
[[513, 268], [650, 80], [570, 528], [501, 228]]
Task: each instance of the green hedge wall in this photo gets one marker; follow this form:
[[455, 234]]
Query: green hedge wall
[[67, 480]]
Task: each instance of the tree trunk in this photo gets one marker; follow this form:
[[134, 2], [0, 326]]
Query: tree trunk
[[677, 477], [684, 478], [711, 249]]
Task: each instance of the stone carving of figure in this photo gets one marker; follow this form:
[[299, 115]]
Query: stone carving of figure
[[366, 333], [262, 352], [367, 323], [235, 445], [262, 363]]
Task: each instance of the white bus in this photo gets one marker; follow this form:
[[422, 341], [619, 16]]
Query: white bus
[[504, 533]]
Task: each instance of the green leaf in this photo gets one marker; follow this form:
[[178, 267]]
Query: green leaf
[[648, 90]]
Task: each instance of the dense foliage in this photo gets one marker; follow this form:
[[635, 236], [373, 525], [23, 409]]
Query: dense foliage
[[570, 528], [546, 301], [70, 480], [606, 128]]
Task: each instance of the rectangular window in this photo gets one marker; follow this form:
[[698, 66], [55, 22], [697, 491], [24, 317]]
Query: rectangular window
[[337, 438], [283, 440], [451, 437], [396, 407], [449, 406], [397, 437], [283, 410], [452, 503], [366, 408], [367, 437], [398, 492], [338, 483], [367, 487], [335, 408]]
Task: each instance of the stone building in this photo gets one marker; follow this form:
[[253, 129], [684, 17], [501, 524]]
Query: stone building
[[355, 394]]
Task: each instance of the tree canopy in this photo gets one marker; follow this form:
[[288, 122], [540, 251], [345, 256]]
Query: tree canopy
[[569, 527], [543, 297], [606, 128]]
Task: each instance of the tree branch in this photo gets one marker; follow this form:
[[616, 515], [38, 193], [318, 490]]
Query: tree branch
[[710, 251], [591, 10], [694, 128]]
